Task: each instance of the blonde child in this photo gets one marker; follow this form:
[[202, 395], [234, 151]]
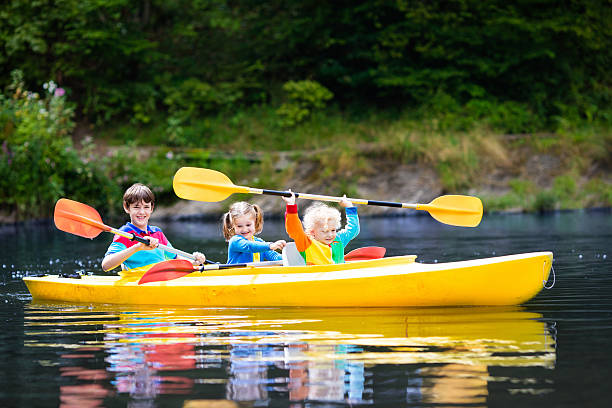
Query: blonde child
[[138, 203], [240, 225], [319, 240]]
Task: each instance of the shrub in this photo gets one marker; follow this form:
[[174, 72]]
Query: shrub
[[193, 97], [507, 117], [38, 161], [546, 200], [304, 97]]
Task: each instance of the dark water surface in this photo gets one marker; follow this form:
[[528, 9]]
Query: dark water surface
[[553, 351]]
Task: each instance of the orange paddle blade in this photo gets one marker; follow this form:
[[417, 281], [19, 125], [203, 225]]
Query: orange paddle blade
[[365, 253], [167, 270], [78, 219]]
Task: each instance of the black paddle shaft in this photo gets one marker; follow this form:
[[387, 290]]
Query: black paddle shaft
[[367, 202], [280, 193]]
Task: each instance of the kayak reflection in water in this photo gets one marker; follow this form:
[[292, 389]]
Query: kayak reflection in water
[[349, 356]]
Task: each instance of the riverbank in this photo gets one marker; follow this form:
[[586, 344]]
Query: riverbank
[[513, 176], [512, 173], [403, 160]]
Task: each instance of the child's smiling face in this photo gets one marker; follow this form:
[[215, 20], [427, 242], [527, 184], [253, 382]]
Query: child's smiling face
[[324, 232], [140, 212], [245, 225]]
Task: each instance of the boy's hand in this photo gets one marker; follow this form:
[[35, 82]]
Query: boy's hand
[[200, 258], [345, 202], [289, 200], [278, 245], [153, 243]]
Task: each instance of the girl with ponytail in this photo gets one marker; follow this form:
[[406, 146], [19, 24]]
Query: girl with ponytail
[[240, 225]]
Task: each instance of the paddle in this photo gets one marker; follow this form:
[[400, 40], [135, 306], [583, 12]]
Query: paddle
[[207, 185], [82, 220], [365, 253], [176, 268]]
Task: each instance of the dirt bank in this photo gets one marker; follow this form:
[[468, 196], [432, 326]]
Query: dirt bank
[[372, 174], [390, 180]]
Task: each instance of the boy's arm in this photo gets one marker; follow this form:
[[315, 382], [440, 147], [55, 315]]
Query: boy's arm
[[111, 261], [352, 226], [294, 228], [114, 259]]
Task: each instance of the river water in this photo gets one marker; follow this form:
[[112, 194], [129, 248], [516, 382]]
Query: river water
[[552, 351]]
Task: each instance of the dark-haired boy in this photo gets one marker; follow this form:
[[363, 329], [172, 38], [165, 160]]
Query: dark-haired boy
[[138, 202]]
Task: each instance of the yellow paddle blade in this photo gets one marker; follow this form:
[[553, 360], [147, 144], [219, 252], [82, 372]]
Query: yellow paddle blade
[[459, 210], [207, 185]]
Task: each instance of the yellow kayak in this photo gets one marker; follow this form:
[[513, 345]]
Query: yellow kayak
[[387, 282]]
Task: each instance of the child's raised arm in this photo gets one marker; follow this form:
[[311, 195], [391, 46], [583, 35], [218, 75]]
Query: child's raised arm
[[346, 203], [289, 200], [293, 225], [352, 223]]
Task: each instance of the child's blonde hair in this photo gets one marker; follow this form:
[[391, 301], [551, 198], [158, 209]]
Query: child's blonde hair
[[240, 209], [320, 213]]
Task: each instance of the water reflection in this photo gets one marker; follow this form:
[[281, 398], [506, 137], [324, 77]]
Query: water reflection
[[340, 356]]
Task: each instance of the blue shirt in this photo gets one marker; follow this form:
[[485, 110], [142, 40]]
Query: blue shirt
[[145, 257], [241, 250]]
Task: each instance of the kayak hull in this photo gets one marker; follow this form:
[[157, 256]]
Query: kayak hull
[[387, 282]]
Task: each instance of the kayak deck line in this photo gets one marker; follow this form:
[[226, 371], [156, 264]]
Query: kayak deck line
[[392, 281], [283, 270]]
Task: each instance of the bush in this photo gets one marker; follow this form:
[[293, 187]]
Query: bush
[[38, 162], [305, 97], [506, 117], [546, 200], [193, 97]]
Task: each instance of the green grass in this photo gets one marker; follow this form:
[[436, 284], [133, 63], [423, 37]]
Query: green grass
[[348, 147]]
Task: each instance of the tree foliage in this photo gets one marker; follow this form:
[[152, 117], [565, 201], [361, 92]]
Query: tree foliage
[[38, 162], [121, 59]]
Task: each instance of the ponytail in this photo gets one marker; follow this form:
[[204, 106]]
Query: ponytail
[[228, 226], [258, 218]]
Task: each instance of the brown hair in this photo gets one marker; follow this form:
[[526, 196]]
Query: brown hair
[[240, 209], [136, 193]]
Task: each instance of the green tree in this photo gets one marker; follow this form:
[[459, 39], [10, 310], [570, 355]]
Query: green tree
[[130, 60]]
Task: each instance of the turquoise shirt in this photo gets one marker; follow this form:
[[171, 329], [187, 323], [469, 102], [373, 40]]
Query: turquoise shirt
[[241, 250], [145, 257]]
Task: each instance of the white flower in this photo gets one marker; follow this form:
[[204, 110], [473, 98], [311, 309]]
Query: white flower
[[50, 86]]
